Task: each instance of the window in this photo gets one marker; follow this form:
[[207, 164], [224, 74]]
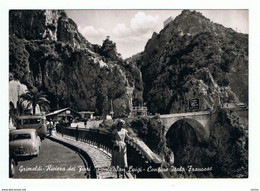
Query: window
[[14, 137], [31, 121]]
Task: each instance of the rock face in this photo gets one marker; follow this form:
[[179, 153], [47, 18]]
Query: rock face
[[190, 58], [49, 24], [194, 58], [48, 52]]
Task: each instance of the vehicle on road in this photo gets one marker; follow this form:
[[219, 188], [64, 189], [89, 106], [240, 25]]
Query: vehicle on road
[[24, 142], [12, 164], [37, 122]]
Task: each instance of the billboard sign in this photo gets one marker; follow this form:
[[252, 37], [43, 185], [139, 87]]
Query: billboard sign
[[194, 104]]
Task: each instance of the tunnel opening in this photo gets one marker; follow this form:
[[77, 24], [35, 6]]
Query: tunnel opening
[[183, 139]]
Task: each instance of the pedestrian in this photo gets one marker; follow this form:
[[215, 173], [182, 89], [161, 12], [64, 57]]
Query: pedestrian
[[50, 127], [77, 133], [85, 122], [54, 125], [119, 153]]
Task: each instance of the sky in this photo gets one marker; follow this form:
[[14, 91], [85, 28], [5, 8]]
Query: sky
[[131, 29]]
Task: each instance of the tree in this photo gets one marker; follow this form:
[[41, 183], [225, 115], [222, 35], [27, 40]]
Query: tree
[[34, 98], [12, 111]]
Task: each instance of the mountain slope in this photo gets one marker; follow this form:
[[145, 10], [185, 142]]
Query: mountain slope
[[48, 52], [193, 57]]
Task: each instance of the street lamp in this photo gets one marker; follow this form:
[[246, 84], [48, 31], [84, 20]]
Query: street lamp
[[111, 109]]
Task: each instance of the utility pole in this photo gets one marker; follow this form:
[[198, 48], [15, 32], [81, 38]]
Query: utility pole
[[57, 99], [18, 100]]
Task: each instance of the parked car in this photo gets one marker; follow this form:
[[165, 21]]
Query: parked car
[[37, 122], [12, 164], [24, 142]]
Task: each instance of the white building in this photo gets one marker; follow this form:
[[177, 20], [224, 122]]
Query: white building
[[228, 105], [167, 21], [87, 114]]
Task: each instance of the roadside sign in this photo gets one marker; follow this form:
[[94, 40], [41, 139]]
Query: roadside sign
[[194, 104]]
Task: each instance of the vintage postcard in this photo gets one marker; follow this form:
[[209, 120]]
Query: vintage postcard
[[138, 93], [128, 94]]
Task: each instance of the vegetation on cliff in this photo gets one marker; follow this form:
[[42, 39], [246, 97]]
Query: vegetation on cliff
[[189, 44], [48, 53]]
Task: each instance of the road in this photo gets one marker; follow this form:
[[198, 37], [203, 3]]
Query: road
[[55, 161]]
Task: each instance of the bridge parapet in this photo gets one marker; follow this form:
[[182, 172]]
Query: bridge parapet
[[200, 122], [144, 150], [138, 153], [190, 114]]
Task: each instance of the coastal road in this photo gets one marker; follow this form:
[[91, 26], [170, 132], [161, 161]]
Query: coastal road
[[55, 161]]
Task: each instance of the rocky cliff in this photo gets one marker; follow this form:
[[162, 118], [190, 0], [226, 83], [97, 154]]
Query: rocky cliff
[[47, 52], [189, 58], [193, 57]]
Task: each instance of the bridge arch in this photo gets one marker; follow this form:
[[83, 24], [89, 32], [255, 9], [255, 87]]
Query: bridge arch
[[185, 137], [200, 125], [198, 128]]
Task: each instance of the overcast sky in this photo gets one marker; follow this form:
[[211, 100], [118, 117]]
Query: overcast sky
[[131, 29]]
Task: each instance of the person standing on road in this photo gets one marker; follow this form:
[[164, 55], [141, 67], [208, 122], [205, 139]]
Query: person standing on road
[[85, 122], [77, 133], [50, 127], [119, 153]]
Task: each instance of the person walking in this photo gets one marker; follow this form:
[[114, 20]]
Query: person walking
[[119, 153]]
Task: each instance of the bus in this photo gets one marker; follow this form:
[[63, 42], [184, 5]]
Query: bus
[[37, 122]]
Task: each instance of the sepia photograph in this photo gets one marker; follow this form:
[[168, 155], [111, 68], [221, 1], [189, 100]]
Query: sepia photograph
[[129, 94], [150, 94]]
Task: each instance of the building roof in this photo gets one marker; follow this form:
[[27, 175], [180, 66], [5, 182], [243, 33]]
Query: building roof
[[31, 117], [90, 112], [61, 110], [139, 108]]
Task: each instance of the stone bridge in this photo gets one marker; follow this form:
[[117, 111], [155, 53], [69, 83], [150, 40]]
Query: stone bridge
[[199, 121]]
